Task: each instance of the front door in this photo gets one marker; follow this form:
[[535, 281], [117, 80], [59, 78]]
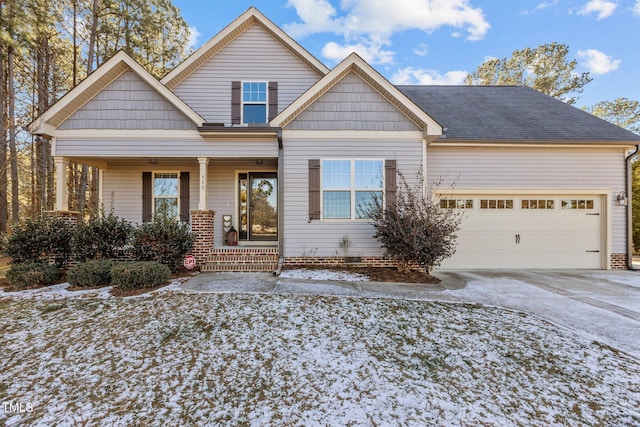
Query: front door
[[258, 206]]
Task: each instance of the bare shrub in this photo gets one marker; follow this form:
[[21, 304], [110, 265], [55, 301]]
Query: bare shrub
[[413, 229]]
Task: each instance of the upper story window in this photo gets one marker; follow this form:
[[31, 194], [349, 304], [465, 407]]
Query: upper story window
[[254, 102], [350, 187]]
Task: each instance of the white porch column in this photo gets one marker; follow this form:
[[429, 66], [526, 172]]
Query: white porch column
[[204, 170], [62, 194]]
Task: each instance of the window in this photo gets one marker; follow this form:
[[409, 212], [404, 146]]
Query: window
[[349, 187], [538, 204], [496, 204], [254, 102], [166, 194], [456, 203], [577, 204]]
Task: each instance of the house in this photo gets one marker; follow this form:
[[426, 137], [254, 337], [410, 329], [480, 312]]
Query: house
[[252, 131]]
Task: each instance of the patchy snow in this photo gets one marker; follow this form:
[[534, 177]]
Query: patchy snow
[[61, 291], [282, 359], [327, 275]]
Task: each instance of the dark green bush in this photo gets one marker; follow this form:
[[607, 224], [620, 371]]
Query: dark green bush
[[91, 273], [22, 276], [100, 238], [164, 240], [39, 238], [139, 275]]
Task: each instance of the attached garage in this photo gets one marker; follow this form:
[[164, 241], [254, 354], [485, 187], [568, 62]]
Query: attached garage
[[521, 230]]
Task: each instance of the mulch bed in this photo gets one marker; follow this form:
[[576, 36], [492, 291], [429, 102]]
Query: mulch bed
[[384, 274]]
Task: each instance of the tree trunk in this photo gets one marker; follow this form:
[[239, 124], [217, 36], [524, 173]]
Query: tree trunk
[[92, 36], [3, 143], [15, 201]]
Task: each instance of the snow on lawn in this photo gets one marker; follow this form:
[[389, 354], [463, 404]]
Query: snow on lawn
[[204, 359], [330, 275]]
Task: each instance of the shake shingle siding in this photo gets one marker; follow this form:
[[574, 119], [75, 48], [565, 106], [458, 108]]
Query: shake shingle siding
[[352, 104], [128, 103]]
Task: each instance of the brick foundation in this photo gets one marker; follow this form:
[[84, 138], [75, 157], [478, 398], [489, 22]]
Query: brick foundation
[[339, 261], [70, 217], [202, 227], [619, 262]]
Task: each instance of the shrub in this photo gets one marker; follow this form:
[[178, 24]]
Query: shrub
[[413, 229], [164, 240], [27, 275], [91, 273], [100, 238], [38, 239], [139, 275]]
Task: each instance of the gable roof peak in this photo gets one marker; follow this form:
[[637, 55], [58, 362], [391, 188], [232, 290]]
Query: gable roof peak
[[248, 18], [94, 83]]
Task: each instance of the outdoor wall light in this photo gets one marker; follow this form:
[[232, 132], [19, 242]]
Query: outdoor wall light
[[622, 198]]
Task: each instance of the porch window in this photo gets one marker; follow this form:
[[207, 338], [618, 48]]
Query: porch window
[[166, 194], [254, 102], [349, 187]]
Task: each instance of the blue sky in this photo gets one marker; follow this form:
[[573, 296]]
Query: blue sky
[[440, 41]]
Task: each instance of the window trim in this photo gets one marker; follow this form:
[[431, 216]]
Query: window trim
[[243, 103], [153, 192], [353, 189]]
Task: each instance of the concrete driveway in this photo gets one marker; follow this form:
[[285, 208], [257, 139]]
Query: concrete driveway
[[602, 305]]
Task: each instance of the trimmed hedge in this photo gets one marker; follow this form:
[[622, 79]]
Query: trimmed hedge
[[139, 275], [38, 239], [23, 275], [100, 238], [91, 273], [164, 240]]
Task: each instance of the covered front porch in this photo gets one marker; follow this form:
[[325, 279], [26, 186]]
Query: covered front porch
[[213, 194]]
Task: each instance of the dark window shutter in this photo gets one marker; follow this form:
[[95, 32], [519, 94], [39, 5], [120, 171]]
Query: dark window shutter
[[314, 189], [184, 196], [390, 181], [273, 100], [236, 93], [146, 197]]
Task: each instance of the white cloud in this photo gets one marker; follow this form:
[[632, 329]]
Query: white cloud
[[194, 35], [597, 62], [421, 76], [374, 54], [370, 24], [603, 8], [636, 8], [423, 49], [540, 6]]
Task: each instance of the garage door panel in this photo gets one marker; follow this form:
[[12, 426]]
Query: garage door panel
[[525, 231]]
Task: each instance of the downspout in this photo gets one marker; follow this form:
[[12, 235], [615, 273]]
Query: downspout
[[280, 204], [629, 185]]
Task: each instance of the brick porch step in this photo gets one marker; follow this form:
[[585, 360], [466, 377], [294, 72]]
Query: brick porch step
[[241, 260]]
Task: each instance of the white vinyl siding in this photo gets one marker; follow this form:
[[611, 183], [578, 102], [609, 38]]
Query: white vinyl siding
[[320, 237], [352, 104], [128, 103], [253, 55], [535, 168]]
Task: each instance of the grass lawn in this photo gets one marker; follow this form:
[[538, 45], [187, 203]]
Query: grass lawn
[[209, 359]]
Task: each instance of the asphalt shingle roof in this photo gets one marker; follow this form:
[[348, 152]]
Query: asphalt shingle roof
[[511, 113]]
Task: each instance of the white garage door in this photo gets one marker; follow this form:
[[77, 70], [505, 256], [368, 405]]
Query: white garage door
[[528, 231]]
